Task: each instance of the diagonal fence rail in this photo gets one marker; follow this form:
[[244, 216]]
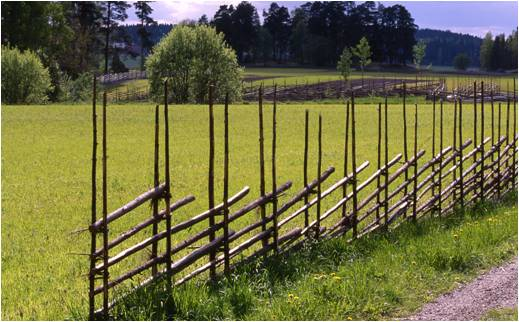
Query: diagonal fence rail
[[403, 188]]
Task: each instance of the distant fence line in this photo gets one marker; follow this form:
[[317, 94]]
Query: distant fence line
[[121, 77], [469, 171]]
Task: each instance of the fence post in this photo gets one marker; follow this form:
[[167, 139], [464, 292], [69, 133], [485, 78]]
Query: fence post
[[274, 185], [482, 169], [319, 157], [434, 143], [378, 159], [155, 184], [210, 185], [508, 136], [91, 276], [262, 163], [454, 142], [406, 156], [492, 133], [345, 173], [475, 157], [354, 165], [386, 171], [460, 126], [226, 187], [415, 181], [499, 152], [167, 191], [441, 161], [105, 221], [305, 167], [513, 139]]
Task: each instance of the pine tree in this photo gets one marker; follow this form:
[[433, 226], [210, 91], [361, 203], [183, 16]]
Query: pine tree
[[143, 11]]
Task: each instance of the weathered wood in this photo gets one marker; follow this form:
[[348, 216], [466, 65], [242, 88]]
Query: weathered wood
[[210, 184], [498, 151], [305, 166], [454, 140], [226, 187], [306, 190], [319, 160], [354, 167], [155, 201], [433, 152], [404, 123], [386, 164], [345, 168], [154, 219], [91, 277], [274, 186], [153, 193], [378, 156], [167, 191], [415, 167], [104, 221], [441, 156], [325, 193], [262, 160], [507, 127], [481, 171], [460, 127]]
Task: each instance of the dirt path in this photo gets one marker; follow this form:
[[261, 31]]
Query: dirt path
[[494, 289]]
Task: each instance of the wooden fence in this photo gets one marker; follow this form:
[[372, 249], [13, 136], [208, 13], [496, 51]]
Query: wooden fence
[[400, 189]]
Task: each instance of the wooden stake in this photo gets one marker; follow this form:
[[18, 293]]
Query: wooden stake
[[105, 213], [305, 167], [210, 185], [406, 156], [167, 192], [354, 166], [475, 140], [454, 142], [415, 181], [319, 160], [226, 188], [262, 163], [434, 141], [482, 169], [155, 202], [379, 143], [508, 131], [460, 126], [274, 185], [345, 170], [513, 139], [499, 152], [440, 175], [386, 172], [91, 295]]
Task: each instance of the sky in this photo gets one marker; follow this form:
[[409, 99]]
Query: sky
[[468, 17]]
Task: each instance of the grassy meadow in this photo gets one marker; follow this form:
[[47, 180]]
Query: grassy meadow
[[46, 164]]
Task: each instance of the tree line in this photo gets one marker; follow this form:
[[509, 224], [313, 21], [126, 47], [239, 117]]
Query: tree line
[[316, 32], [499, 53], [73, 38]]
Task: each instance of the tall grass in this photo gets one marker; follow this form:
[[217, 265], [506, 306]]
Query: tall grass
[[382, 276]]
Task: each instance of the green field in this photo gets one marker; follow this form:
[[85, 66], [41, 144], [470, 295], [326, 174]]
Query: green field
[[46, 153]]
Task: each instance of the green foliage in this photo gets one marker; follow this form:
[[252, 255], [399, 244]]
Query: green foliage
[[381, 276], [76, 90], [193, 58], [363, 53], [344, 64], [24, 79], [419, 53], [461, 61]]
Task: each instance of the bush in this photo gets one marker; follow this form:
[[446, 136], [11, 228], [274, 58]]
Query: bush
[[461, 61], [76, 90], [194, 57], [24, 79]]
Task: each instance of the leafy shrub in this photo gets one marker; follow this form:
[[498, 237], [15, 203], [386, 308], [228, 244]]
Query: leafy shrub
[[194, 57], [76, 90], [24, 79]]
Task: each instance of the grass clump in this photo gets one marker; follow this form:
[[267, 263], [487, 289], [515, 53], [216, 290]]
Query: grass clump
[[385, 275]]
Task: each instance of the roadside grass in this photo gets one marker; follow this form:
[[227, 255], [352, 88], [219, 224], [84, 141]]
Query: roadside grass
[[380, 276], [501, 314], [46, 160]]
